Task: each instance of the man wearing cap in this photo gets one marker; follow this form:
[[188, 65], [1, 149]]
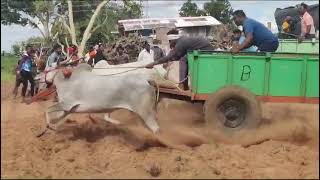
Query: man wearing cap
[[180, 47]]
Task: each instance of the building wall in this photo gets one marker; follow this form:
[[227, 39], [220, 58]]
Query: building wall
[[161, 34], [202, 31]]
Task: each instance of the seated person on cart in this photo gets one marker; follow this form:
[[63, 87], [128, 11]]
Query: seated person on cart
[[256, 34], [180, 47], [238, 39]]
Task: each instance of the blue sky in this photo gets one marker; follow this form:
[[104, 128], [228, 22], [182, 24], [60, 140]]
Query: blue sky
[[262, 11]]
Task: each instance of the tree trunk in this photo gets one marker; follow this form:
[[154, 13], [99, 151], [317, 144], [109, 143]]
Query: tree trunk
[[86, 33], [72, 28], [46, 32]]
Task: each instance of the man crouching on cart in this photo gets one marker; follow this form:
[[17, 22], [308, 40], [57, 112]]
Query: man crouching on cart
[[180, 47]]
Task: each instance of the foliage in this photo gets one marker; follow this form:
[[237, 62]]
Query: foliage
[[109, 18], [219, 9], [11, 12], [8, 63], [38, 14], [35, 42], [16, 49], [45, 12], [190, 9]]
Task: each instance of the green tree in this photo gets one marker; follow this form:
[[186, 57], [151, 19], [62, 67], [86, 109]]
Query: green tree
[[190, 9], [219, 9], [16, 49], [109, 17], [35, 42], [38, 14]]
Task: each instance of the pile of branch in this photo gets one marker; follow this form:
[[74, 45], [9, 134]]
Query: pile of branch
[[221, 34], [132, 46]]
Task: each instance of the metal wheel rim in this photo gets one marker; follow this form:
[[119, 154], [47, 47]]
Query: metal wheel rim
[[233, 112]]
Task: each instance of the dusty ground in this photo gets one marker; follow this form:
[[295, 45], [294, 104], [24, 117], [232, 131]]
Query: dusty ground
[[93, 149]]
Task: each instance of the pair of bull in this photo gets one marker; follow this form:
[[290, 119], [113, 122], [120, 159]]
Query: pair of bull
[[98, 90]]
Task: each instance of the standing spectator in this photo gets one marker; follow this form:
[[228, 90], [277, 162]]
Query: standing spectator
[[91, 55], [55, 57], [25, 68], [307, 25], [72, 59], [158, 52], [146, 53], [18, 74], [121, 57], [99, 55]]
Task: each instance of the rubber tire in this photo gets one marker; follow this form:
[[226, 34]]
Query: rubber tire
[[253, 109]]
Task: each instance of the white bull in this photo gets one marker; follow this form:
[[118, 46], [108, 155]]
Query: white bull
[[103, 68], [86, 92]]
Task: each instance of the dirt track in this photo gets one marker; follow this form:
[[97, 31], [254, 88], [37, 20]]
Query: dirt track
[[93, 149]]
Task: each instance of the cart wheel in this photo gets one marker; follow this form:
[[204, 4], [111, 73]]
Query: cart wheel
[[232, 108]]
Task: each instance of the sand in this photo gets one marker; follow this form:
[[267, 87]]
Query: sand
[[285, 146]]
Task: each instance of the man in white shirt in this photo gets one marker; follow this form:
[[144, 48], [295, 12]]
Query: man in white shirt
[[146, 54]]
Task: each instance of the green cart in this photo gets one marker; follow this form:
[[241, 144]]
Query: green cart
[[232, 85], [292, 46]]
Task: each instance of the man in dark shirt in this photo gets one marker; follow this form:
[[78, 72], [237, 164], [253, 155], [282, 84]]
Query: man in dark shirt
[[55, 57], [181, 46], [121, 57], [256, 34], [158, 52], [99, 55]]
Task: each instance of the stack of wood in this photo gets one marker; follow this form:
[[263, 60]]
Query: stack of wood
[[132, 46], [222, 36]]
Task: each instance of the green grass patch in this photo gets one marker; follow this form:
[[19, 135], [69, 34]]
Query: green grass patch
[[8, 63]]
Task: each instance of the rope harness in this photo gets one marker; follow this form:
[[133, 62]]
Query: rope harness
[[131, 68]]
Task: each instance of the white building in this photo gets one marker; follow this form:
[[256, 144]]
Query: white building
[[189, 26]]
